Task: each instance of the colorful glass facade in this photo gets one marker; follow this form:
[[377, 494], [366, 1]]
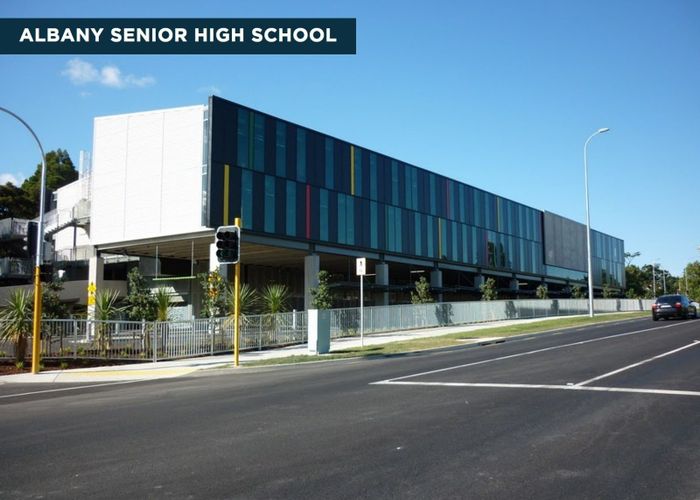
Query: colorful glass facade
[[288, 181]]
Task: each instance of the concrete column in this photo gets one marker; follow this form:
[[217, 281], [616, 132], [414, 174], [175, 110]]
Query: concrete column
[[312, 266], [436, 282], [96, 273], [514, 285], [479, 280], [381, 270]]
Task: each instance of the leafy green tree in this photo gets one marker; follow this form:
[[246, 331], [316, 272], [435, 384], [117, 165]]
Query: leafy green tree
[[214, 296], [542, 292], [607, 291], [422, 292], [488, 290], [692, 273], [140, 303], [578, 292], [14, 202], [59, 172], [322, 297], [51, 305], [630, 256], [16, 321]]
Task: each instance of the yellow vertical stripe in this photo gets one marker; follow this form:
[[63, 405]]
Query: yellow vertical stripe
[[226, 201], [352, 170]]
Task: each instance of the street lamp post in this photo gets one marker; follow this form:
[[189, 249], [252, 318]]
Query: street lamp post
[[36, 324], [588, 220]]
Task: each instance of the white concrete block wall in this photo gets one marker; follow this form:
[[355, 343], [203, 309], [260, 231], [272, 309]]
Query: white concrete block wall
[[146, 174]]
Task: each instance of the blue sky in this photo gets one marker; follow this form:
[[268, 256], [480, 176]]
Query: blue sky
[[498, 94]]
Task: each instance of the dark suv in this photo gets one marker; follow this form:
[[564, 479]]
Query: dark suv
[[673, 306]]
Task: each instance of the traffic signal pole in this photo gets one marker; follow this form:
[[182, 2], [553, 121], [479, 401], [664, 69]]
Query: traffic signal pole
[[237, 305]]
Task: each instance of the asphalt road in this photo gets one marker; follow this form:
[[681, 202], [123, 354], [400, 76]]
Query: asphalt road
[[604, 412]]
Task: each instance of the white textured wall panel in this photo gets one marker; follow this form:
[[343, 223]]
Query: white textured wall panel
[[146, 173]]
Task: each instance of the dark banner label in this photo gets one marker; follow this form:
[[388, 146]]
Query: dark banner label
[[177, 36]]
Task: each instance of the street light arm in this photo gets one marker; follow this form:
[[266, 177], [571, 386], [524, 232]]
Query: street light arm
[[588, 220], [40, 236]]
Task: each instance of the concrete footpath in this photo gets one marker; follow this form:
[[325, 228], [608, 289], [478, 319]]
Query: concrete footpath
[[177, 368]]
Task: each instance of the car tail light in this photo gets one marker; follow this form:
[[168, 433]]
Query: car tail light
[[678, 305], [654, 306]]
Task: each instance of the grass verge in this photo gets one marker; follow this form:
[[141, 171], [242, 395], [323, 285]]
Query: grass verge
[[453, 339]]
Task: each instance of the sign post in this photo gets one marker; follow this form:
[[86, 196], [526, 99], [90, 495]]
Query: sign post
[[361, 264]]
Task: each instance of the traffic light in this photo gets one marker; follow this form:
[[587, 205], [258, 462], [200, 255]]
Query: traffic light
[[228, 244]]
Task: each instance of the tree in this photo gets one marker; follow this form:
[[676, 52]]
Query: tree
[[488, 290], [422, 293], [51, 305], [214, 297], [322, 297], [542, 292], [140, 303], [607, 291], [59, 172], [692, 273], [15, 203], [578, 292], [16, 321], [630, 256]]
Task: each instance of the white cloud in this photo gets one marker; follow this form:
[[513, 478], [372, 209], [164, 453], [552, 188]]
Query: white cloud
[[81, 72], [14, 179]]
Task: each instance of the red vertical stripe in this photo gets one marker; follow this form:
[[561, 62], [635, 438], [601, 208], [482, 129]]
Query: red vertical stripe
[[308, 211]]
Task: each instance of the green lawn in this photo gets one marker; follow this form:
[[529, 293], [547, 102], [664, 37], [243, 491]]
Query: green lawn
[[452, 339]]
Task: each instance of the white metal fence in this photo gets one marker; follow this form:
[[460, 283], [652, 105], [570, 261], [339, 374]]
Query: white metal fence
[[141, 340], [162, 340], [346, 322]]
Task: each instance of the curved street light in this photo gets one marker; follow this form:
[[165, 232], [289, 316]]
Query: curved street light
[[36, 324], [588, 220]]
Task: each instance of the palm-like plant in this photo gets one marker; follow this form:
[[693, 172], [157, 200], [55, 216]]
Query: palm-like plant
[[105, 309], [249, 299], [275, 298], [16, 321], [163, 302]]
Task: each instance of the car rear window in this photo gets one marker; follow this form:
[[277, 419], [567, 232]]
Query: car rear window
[[669, 299]]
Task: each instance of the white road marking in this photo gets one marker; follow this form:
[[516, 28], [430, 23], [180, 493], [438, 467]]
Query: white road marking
[[634, 365], [501, 358], [69, 389], [545, 386]]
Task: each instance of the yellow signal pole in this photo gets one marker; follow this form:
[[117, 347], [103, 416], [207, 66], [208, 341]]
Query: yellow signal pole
[[237, 301]]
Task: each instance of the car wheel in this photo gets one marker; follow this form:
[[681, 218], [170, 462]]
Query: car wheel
[[654, 317]]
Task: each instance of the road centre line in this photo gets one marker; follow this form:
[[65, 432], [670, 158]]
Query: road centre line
[[536, 351], [634, 365], [632, 390]]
